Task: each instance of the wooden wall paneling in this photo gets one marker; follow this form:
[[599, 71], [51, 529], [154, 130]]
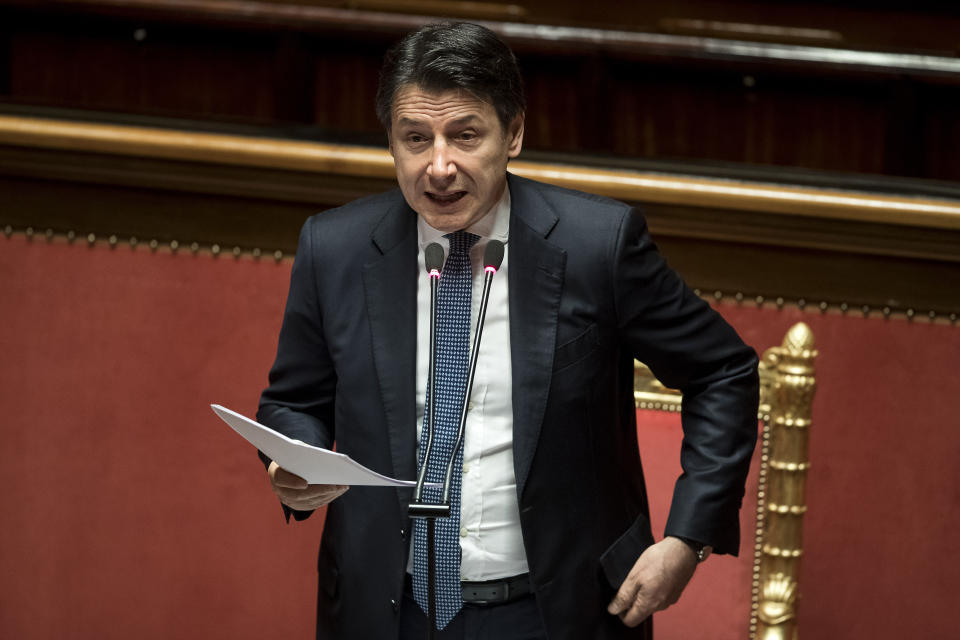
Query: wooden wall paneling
[[209, 189], [669, 112], [253, 208], [153, 214], [809, 260], [138, 67], [5, 37], [345, 81], [871, 24], [293, 75], [827, 123], [186, 74], [568, 102], [939, 136], [904, 148], [858, 237], [623, 92], [758, 118], [154, 198]]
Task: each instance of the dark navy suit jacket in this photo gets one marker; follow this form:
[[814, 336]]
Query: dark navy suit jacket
[[588, 293]]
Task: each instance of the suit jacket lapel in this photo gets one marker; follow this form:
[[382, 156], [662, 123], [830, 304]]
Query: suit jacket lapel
[[536, 281], [391, 294]]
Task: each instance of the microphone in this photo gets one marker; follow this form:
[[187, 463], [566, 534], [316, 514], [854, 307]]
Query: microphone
[[492, 258], [433, 260], [433, 257]]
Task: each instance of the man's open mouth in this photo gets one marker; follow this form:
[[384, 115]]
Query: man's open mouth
[[446, 198]]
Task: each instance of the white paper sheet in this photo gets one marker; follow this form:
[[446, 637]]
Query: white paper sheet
[[313, 464]]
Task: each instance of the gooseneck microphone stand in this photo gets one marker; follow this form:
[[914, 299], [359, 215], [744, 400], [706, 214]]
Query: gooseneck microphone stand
[[433, 257]]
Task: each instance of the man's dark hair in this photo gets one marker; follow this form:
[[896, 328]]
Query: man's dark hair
[[460, 55]]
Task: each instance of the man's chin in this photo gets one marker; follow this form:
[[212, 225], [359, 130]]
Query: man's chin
[[445, 220]]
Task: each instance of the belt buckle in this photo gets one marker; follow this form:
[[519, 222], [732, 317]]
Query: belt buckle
[[488, 594]]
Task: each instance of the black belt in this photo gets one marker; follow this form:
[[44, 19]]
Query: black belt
[[492, 591], [496, 591]]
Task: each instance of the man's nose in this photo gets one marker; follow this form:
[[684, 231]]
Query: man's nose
[[441, 164]]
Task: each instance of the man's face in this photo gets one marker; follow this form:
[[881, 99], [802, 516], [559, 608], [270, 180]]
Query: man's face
[[451, 155]]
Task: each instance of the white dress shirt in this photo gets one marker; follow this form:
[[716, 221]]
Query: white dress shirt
[[491, 543]]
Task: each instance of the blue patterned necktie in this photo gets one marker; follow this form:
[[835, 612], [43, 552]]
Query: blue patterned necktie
[[453, 359]]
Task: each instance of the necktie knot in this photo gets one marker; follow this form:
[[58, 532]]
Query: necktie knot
[[461, 241]]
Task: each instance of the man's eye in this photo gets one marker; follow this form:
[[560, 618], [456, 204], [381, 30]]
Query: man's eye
[[467, 136]]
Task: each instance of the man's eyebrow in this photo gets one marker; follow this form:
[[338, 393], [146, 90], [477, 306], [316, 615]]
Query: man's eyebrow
[[467, 119]]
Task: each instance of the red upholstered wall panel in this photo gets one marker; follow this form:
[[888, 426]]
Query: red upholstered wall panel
[[129, 510]]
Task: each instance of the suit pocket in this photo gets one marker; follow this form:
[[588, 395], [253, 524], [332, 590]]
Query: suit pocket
[[573, 351], [620, 557]]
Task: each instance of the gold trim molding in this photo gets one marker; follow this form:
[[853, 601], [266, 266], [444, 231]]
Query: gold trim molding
[[635, 186], [113, 241], [648, 392], [789, 385]]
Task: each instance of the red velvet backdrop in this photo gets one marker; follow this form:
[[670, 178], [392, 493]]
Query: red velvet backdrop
[[130, 510]]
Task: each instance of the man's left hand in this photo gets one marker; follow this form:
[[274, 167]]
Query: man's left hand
[[655, 582]]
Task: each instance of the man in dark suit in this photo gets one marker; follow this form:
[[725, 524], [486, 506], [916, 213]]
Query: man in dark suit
[[554, 535]]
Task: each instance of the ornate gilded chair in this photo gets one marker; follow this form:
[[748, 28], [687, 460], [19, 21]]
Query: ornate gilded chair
[[787, 385]]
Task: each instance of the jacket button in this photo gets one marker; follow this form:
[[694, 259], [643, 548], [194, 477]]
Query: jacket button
[[403, 534], [395, 605]]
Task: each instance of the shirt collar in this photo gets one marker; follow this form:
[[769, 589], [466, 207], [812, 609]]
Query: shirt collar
[[494, 225]]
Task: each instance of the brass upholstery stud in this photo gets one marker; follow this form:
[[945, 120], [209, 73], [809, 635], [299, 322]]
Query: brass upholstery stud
[[278, 255]]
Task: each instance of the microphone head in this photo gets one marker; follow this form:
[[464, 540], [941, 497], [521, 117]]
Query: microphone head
[[433, 257], [493, 255]]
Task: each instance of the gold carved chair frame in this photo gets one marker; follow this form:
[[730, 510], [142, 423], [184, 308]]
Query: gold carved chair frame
[[787, 386]]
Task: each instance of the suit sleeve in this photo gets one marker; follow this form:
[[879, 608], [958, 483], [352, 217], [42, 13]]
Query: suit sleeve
[[299, 401], [690, 347]]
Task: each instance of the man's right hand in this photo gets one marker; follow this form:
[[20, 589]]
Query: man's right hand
[[294, 491]]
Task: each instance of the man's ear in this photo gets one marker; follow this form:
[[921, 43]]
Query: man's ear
[[515, 136]]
